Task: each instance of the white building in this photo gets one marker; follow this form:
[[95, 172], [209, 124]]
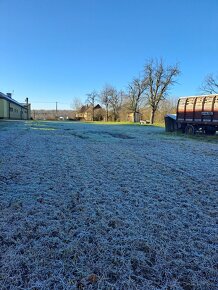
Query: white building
[[11, 109]]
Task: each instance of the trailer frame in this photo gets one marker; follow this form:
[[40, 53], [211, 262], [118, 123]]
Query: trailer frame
[[195, 113]]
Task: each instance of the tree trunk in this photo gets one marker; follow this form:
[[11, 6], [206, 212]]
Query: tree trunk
[[106, 113], [152, 115], [115, 116], [134, 117]]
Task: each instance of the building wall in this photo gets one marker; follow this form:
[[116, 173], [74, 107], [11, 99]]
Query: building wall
[[134, 117], [9, 110], [17, 112], [3, 109]]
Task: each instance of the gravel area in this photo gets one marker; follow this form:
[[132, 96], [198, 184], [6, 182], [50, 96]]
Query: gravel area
[[86, 206]]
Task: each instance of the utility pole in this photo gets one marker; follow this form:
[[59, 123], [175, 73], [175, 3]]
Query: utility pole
[[27, 107], [56, 110]]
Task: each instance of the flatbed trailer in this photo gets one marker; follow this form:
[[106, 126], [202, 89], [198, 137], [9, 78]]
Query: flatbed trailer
[[195, 113]]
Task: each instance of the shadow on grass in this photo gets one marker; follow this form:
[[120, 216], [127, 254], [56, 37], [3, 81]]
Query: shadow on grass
[[196, 137]]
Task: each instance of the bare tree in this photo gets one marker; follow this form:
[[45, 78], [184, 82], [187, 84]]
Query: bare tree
[[136, 93], [105, 98], [91, 99], [115, 101], [210, 84], [76, 104], [159, 79]]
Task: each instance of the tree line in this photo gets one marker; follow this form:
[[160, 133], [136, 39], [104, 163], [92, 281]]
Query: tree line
[[148, 92], [145, 91]]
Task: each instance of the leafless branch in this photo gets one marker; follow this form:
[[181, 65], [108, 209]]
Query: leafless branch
[[210, 84]]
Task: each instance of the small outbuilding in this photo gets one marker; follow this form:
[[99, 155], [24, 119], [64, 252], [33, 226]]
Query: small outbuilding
[[170, 123], [134, 117]]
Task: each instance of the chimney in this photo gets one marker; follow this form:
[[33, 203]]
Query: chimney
[[9, 95]]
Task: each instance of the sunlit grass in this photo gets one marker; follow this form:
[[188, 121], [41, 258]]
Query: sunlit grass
[[44, 129], [123, 123], [43, 123], [110, 123]]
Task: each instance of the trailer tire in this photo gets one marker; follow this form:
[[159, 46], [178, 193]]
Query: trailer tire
[[210, 132], [189, 130]]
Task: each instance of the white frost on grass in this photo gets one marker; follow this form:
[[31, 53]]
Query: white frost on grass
[[106, 207]]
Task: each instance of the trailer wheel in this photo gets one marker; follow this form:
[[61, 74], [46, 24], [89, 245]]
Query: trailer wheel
[[210, 132], [190, 130]]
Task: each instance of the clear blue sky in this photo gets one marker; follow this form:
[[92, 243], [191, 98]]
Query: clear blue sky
[[55, 50]]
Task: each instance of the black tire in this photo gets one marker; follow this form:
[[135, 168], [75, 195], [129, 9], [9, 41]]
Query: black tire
[[189, 130], [210, 132]]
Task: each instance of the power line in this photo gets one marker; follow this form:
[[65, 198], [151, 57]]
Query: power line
[[50, 103], [43, 102]]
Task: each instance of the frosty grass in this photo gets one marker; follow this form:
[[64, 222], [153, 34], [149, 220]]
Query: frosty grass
[[86, 206]]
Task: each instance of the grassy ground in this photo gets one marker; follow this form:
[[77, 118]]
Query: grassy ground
[[125, 123], [197, 137], [86, 206], [105, 123]]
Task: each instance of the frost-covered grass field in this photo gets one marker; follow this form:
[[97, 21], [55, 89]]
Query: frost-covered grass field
[[87, 206]]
